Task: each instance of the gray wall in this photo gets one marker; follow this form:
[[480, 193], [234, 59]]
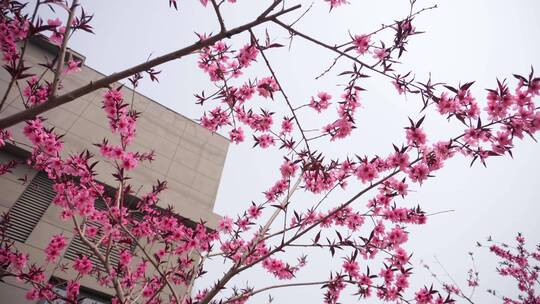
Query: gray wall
[[188, 156]]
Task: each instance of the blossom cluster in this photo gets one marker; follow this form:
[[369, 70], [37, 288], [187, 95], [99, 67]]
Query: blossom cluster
[[57, 31], [219, 63], [55, 247], [322, 102], [6, 136], [12, 30], [520, 116], [343, 126], [35, 92], [523, 266]]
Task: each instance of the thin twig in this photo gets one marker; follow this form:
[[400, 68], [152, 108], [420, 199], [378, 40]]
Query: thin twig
[[63, 48], [340, 52], [269, 9], [156, 266], [95, 250], [219, 17], [289, 104]]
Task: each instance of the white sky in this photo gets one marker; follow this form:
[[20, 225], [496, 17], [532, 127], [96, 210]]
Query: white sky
[[465, 40]]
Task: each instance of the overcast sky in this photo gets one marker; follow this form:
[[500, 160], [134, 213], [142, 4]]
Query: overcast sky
[[464, 41]]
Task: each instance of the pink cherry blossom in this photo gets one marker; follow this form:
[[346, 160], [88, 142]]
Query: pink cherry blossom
[[400, 88], [246, 55], [416, 136], [73, 66], [361, 43], [267, 86], [341, 128], [35, 92], [366, 172], [336, 3], [286, 126], [380, 54], [423, 296], [53, 250], [351, 267], [237, 135], [288, 168], [57, 35], [418, 173], [83, 265], [5, 135], [72, 290], [254, 211], [129, 162], [225, 224], [321, 102], [265, 141], [54, 22]]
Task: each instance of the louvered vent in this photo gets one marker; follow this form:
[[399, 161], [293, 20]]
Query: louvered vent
[[30, 207], [78, 247]]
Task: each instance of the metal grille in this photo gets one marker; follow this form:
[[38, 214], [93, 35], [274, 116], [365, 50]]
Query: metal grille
[[30, 207], [77, 246]]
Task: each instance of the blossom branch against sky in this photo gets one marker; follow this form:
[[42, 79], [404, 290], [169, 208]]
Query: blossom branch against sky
[[382, 126]]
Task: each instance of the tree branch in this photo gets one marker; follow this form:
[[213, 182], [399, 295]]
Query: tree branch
[[63, 47], [269, 9], [95, 250], [54, 102], [219, 17], [267, 62], [156, 266], [252, 293], [234, 269]]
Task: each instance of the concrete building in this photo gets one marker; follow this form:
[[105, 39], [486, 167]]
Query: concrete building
[[188, 156]]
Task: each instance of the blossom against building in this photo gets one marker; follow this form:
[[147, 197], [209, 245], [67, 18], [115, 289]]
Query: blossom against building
[[189, 157]]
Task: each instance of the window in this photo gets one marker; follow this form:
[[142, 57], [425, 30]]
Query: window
[[30, 207]]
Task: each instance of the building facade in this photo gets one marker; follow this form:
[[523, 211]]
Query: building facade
[[188, 157]]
